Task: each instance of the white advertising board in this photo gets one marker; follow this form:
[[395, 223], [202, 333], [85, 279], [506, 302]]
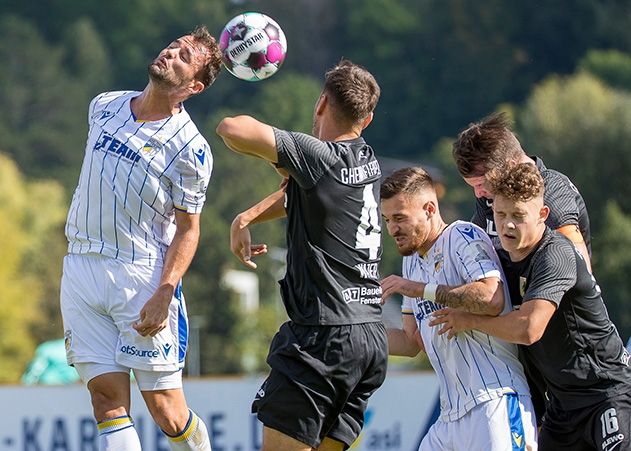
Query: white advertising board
[[60, 418]]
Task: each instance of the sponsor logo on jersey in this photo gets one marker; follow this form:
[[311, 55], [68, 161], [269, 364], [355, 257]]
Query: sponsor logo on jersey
[[518, 439], [200, 154], [425, 309], [135, 352], [106, 114], [363, 295], [166, 348], [108, 143], [368, 270], [612, 442], [152, 147], [468, 231]]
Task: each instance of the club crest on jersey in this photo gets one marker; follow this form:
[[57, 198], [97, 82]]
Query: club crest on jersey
[[68, 340], [439, 259], [522, 285], [152, 147]]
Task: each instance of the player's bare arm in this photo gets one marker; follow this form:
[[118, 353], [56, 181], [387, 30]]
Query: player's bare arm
[[524, 326], [272, 207], [154, 314], [397, 284], [407, 341], [484, 297], [573, 233], [246, 135]]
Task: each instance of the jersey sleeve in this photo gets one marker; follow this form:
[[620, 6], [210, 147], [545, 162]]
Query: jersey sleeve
[[560, 197], [305, 158], [553, 273], [472, 253], [406, 304], [191, 176]]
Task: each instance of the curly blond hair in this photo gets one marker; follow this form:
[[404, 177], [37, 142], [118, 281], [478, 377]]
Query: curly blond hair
[[521, 182]]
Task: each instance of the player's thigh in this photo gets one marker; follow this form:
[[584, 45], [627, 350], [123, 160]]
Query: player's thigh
[[504, 423], [90, 332], [370, 357], [274, 440], [438, 437], [165, 351], [610, 425]]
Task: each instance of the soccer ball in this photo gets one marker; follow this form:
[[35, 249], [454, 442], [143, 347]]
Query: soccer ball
[[253, 46]]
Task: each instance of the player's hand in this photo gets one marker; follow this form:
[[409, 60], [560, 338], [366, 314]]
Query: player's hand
[[155, 313], [452, 321], [241, 244], [397, 284]]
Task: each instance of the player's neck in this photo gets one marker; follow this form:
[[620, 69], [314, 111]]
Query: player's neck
[[437, 229], [154, 104]]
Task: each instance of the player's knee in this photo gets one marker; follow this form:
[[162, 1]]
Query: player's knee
[[171, 419], [107, 405]]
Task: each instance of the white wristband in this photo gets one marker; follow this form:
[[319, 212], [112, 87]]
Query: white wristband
[[430, 291]]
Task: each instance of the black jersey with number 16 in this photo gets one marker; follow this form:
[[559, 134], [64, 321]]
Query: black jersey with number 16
[[333, 230]]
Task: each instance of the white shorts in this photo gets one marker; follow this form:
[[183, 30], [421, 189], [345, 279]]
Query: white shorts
[[503, 424], [101, 298]]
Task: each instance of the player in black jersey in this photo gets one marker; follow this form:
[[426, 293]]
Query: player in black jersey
[[329, 358], [562, 321], [490, 144]]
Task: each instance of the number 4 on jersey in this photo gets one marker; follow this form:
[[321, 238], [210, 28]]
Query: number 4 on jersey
[[369, 231]]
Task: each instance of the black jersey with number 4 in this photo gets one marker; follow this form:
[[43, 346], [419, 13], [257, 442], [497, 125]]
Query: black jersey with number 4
[[567, 206], [333, 230], [580, 354]]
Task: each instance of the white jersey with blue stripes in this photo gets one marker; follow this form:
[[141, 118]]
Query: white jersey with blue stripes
[[473, 367], [134, 175]]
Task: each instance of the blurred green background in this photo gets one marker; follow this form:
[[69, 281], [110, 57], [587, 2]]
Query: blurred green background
[[562, 70]]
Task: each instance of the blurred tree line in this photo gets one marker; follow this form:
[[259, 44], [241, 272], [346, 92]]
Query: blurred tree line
[[562, 71]]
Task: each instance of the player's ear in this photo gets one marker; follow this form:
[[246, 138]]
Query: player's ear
[[321, 104], [196, 87], [430, 208], [367, 121], [543, 213]]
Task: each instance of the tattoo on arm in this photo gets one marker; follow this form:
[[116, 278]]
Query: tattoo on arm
[[471, 297]]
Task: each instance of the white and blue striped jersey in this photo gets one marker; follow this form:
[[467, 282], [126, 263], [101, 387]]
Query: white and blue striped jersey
[[134, 175], [473, 367]]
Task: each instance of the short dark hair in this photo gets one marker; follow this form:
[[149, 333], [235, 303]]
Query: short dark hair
[[485, 145], [408, 181], [352, 90], [208, 74], [520, 182]]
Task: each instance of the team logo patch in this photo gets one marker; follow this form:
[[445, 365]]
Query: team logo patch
[[522, 285], [438, 261], [152, 147], [68, 340]]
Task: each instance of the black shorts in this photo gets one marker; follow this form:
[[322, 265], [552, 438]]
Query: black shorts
[[603, 427], [321, 379]]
